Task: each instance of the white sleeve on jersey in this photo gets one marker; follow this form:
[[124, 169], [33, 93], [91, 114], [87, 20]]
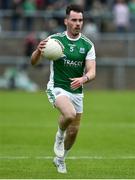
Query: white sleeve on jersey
[[91, 54]]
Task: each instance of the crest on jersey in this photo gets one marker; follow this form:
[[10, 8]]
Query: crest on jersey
[[82, 50]]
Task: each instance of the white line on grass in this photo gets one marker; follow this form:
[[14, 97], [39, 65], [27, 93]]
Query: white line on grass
[[70, 157], [86, 125]]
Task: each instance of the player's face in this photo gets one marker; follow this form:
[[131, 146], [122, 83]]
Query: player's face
[[74, 23]]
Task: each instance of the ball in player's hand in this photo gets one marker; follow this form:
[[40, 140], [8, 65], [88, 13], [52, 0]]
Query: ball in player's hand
[[53, 50]]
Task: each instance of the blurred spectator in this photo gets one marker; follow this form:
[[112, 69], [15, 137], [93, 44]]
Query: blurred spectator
[[40, 4], [80, 2], [56, 5], [30, 43], [49, 4], [132, 14], [60, 4], [90, 29], [97, 8], [17, 14], [29, 8], [121, 16]]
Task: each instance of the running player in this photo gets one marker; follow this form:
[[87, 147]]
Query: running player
[[67, 77]]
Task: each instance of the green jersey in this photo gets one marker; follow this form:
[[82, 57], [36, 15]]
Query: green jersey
[[72, 64]]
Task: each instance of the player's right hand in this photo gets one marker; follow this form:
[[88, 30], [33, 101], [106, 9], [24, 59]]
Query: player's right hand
[[42, 45]]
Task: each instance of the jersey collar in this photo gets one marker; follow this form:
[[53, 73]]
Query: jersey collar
[[72, 38]]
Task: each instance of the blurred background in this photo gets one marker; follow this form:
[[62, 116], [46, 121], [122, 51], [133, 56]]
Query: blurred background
[[109, 24]]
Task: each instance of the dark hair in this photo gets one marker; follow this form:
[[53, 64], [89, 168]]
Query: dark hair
[[74, 7]]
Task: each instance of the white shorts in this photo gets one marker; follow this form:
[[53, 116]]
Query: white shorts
[[76, 99]]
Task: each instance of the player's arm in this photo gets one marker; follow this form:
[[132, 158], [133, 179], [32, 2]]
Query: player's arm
[[90, 67], [90, 70], [87, 77], [36, 55]]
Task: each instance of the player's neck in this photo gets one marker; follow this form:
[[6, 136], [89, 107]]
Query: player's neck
[[72, 37]]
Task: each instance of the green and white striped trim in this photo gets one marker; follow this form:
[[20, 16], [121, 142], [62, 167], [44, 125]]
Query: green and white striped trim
[[86, 40], [51, 96]]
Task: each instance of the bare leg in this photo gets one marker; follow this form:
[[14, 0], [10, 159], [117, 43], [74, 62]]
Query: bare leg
[[72, 131], [69, 120], [67, 110]]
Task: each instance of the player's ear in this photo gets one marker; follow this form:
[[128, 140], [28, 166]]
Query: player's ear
[[65, 21]]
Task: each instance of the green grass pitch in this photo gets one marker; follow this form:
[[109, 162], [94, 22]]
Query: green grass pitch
[[105, 147]]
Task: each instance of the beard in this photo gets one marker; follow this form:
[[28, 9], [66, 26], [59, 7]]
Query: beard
[[76, 31]]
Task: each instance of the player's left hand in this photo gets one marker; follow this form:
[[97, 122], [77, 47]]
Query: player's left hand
[[77, 82]]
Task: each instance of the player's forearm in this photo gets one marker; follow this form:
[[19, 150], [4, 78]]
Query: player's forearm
[[90, 75], [36, 55], [77, 82], [90, 71]]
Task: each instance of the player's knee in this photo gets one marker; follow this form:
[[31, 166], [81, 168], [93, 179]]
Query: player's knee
[[70, 116]]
